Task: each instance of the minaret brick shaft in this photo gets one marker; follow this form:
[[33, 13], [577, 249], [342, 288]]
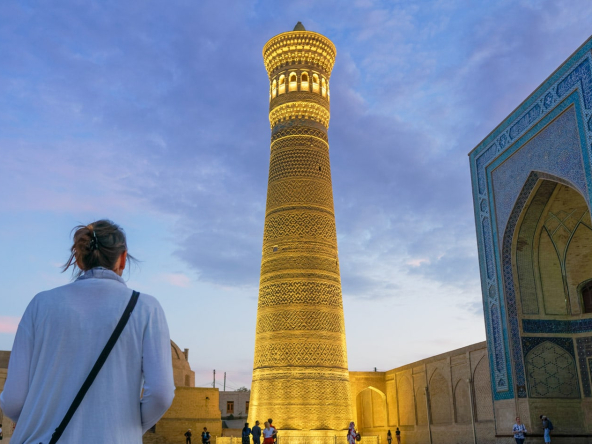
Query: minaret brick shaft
[[300, 373]]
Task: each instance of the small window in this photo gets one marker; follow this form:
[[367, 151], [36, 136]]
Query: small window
[[273, 89], [247, 407], [586, 292], [324, 87], [293, 86], [229, 407], [275, 248], [282, 83], [315, 83], [187, 381], [304, 82]]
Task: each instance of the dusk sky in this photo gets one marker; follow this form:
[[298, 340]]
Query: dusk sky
[[155, 115]]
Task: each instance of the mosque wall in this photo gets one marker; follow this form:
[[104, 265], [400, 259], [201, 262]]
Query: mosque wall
[[458, 391]]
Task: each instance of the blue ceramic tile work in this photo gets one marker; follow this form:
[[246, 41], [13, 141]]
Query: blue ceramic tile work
[[556, 150], [552, 326], [530, 342], [572, 82], [584, 347]]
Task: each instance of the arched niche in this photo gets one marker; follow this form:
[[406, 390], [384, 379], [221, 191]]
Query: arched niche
[[462, 402], [551, 372], [482, 387], [371, 408], [406, 401], [440, 401], [552, 250]]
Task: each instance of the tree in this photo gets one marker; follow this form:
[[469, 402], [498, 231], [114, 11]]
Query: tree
[[242, 389]]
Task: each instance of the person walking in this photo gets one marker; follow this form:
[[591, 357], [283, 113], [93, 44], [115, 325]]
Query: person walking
[[519, 430], [188, 436], [256, 432], [398, 435], [1, 436], [60, 337], [268, 433], [205, 436], [246, 434], [389, 437], [351, 433]]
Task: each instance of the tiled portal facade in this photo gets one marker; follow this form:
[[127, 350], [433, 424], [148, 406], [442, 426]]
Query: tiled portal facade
[[532, 197]]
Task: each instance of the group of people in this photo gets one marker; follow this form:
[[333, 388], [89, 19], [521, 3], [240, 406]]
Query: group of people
[[269, 433], [520, 431], [205, 436]]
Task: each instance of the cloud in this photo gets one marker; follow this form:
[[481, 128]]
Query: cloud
[[9, 324], [177, 279]]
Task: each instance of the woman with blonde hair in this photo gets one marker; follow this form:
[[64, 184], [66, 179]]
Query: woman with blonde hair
[[91, 360]]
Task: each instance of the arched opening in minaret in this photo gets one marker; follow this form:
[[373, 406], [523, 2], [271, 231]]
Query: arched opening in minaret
[[304, 82], [273, 89], [324, 87], [282, 83], [293, 85], [315, 83]]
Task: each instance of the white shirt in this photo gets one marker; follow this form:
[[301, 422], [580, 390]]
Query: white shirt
[[60, 337], [268, 433]]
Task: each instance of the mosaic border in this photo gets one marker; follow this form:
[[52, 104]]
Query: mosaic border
[[572, 80]]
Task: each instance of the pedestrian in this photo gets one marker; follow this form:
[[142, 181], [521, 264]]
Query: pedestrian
[[1, 436], [519, 431], [246, 434], [389, 437], [398, 435], [60, 338], [205, 436], [547, 428], [256, 432], [270, 421], [351, 433], [188, 436], [268, 433]]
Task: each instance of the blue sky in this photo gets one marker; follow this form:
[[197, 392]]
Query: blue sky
[[154, 114]]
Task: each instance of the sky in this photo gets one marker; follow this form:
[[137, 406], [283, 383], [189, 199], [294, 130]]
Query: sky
[[155, 115]]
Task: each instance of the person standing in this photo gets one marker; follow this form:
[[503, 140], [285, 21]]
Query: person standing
[[1, 437], [61, 336], [351, 433], [268, 433], [205, 436], [246, 434], [547, 427], [188, 436], [519, 430], [389, 437], [256, 432], [398, 435], [270, 421]]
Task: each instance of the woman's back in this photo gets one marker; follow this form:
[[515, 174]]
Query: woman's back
[[60, 337]]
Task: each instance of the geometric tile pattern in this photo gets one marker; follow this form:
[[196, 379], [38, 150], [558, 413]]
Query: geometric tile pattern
[[551, 371], [556, 326], [584, 347], [571, 84]]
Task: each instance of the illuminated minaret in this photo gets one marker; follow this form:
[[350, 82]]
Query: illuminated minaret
[[300, 374]]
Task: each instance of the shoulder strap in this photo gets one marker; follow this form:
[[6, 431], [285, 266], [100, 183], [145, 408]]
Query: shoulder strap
[[96, 368]]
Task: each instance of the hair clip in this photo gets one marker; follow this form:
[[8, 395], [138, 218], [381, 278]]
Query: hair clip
[[94, 242]]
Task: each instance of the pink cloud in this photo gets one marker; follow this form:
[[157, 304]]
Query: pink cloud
[[9, 324], [177, 279]]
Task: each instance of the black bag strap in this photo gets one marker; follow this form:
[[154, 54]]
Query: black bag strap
[[96, 368]]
